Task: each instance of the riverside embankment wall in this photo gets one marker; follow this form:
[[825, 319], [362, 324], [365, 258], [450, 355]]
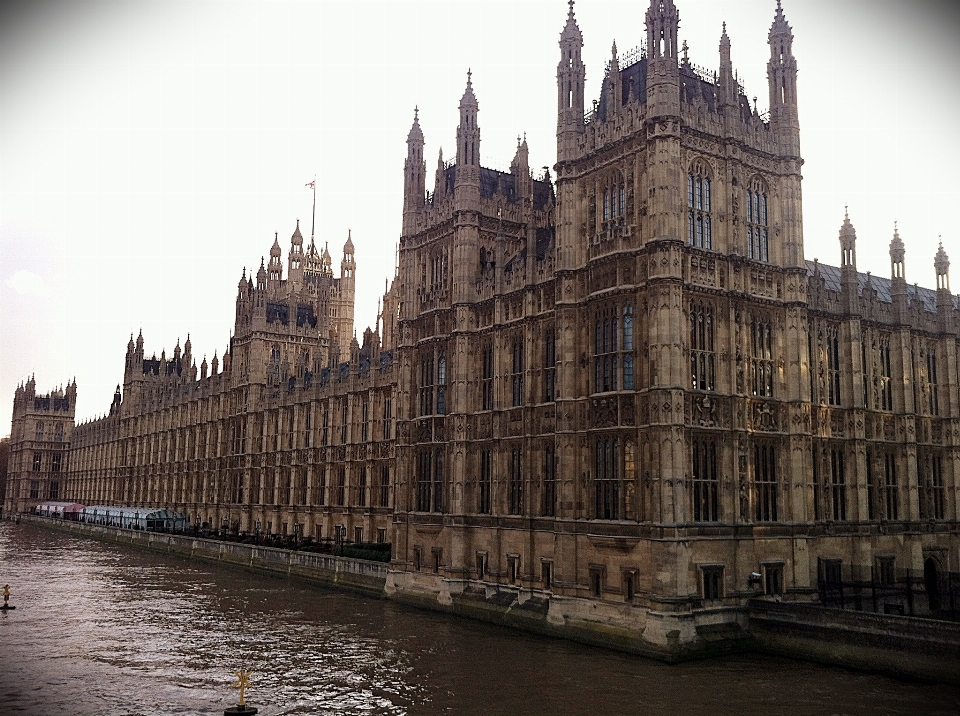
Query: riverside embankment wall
[[904, 647], [354, 574]]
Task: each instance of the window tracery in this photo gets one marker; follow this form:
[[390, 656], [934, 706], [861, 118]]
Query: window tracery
[[699, 218], [758, 233]]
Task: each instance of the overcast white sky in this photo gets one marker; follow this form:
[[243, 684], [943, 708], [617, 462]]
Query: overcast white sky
[[149, 150]]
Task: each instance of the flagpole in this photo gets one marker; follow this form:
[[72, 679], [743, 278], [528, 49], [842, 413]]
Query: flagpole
[[313, 218]]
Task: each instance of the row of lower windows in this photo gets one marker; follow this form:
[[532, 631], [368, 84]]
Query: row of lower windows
[[710, 576], [339, 531]]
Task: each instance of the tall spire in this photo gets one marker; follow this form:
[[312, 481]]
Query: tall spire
[[571, 74], [726, 84], [663, 22], [414, 175], [468, 133], [897, 253], [848, 242], [782, 81], [942, 264]]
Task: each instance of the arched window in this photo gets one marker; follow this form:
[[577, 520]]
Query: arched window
[[701, 347], [274, 363], [699, 220], [607, 479], [761, 352], [758, 233], [629, 480], [614, 200], [441, 385], [613, 349]]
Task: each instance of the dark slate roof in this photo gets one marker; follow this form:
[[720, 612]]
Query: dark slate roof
[[691, 84], [831, 277], [493, 179], [634, 76]]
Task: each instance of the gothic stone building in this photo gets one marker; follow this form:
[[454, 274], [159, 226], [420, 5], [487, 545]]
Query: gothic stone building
[[620, 392]]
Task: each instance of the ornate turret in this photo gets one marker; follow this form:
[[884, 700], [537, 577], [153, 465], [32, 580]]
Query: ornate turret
[[726, 82], [414, 175], [347, 265], [663, 71], [848, 264], [295, 258], [440, 181], [848, 244], [571, 75], [520, 168], [327, 261], [466, 190], [275, 268], [942, 264], [261, 276], [782, 80], [897, 253]]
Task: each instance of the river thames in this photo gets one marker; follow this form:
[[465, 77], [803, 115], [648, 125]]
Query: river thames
[[102, 630]]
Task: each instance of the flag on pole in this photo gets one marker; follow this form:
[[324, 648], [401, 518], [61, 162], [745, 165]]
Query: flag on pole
[[311, 184]]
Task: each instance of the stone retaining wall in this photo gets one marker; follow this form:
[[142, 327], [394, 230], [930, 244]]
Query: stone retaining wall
[[325, 569], [924, 649]]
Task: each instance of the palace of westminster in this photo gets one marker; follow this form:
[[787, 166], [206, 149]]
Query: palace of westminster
[[621, 390]]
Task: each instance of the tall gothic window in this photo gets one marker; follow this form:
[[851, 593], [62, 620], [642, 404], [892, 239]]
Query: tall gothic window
[[515, 505], [430, 480], [325, 425], [486, 482], [614, 200], [761, 351], [702, 347], [486, 377], [933, 404], [387, 418], [699, 221], [384, 486], [630, 497], [758, 233], [441, 385], [627, 345], [516, 378], [40, 430], [613, 349], [930, 478], [886, 375], [274, 369], [549, 366], [765, 481], [838, 486], [549, 482], [890, 497], [426, 384], [607, 480], [340, 491], [706, 481], [833, 365], [362, 487]]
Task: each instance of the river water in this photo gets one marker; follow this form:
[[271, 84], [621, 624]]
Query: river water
[[103, 630]]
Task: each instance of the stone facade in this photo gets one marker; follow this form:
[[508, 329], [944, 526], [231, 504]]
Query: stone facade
[[621, 391]]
